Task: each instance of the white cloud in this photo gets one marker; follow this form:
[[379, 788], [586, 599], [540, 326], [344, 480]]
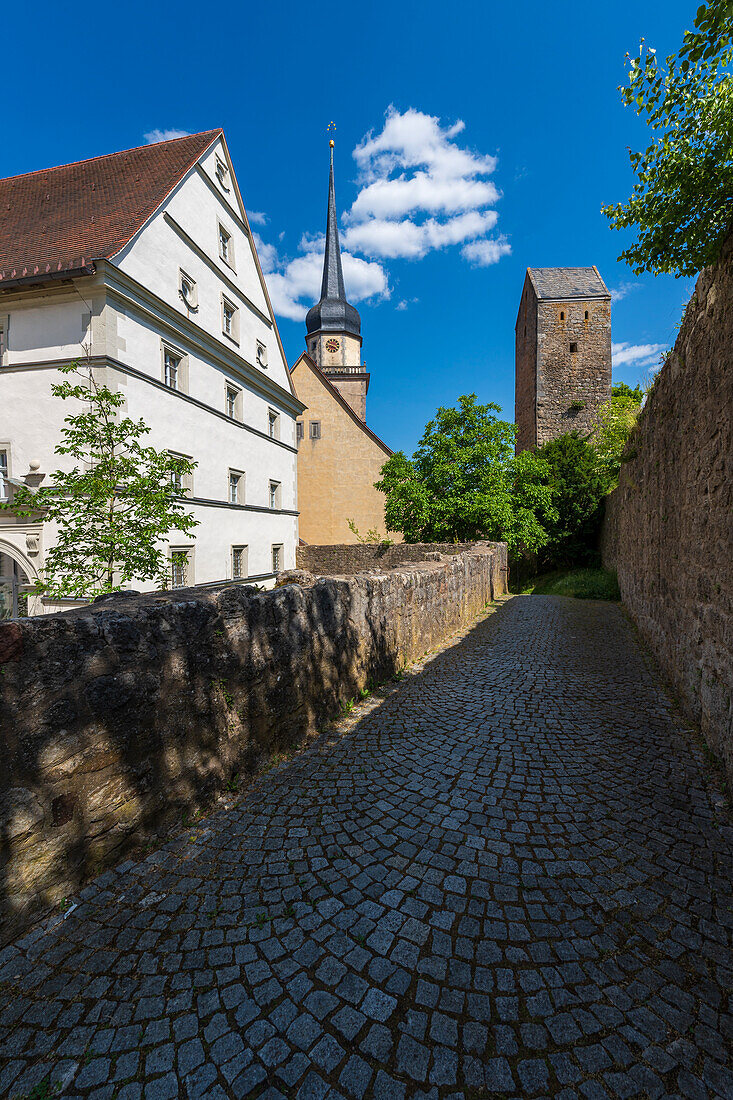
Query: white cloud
[[486, 251], [642, 356], [295, 285], [405, 303], [164, 135], [620, 292], [256, 217], [409, 240], [419, 191]]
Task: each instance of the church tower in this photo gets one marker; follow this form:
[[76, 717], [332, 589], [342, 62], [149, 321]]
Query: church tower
[[333, 327]]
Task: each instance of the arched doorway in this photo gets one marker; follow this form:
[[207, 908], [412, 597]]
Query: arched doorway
[[15, 583]]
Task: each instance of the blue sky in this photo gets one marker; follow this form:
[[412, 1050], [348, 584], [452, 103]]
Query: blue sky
[[487, 137]]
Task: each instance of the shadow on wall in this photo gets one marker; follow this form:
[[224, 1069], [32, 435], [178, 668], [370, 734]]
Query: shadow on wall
[[118, 720]]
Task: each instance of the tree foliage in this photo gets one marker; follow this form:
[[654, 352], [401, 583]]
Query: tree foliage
[[682, 201], [464, 482], [578, 487], [615, 421], [114, 508]]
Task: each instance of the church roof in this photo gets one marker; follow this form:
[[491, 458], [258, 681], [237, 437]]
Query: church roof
[[56, 222], [567, 282], [333, 313]]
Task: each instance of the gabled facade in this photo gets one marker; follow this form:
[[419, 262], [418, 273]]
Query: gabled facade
[[339, 460], [563, 353], [143, 261]]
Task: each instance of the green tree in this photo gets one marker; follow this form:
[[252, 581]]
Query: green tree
[[682, 202], [464, 482], [117, 504], [614, 423], [578, 487]]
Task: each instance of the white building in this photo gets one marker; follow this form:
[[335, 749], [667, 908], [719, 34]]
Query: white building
[[144, 260]]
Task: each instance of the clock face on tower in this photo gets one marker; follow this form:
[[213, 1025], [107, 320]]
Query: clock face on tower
[[332, 345]]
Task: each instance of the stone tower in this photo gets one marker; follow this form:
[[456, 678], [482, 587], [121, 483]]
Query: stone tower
[[562, 352], [333, 327]]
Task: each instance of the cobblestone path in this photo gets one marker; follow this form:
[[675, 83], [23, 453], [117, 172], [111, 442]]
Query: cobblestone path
[[508, 878]]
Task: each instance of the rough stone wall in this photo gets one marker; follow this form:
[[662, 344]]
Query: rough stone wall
[[565, 376], [669, 524], [120, 717], [357, 557], [525, 369]]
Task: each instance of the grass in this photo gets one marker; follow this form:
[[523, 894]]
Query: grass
[[583, 584]]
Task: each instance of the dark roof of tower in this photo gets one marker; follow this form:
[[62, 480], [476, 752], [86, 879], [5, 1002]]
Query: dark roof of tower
[[568, 282], [56, 222], [333, 313]]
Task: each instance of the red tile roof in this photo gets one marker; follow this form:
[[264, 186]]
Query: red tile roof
[[56, 222]]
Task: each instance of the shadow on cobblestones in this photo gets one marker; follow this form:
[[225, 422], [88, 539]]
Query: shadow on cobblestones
[[509, 877], [92, 772]]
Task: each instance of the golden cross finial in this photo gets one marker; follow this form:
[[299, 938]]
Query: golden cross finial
[[331, 128]]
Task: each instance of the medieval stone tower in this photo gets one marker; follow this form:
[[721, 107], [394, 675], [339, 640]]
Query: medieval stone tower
[[563, 352], [333, 327]]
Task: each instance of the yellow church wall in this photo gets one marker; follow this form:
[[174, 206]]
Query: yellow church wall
[[336, 473]]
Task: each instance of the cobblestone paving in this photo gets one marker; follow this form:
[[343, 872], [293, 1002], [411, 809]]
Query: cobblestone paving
[[508, 878]]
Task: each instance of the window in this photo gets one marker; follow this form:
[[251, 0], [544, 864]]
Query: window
[[226, 247], [274, 494], [182, 483], [273, 424], [573, 347], [562, 316], [229, 319], [239, 562], [586, 314], [181, 568], [261, 355], [315, 429], [222, 173], [188, 291], [171, 369], [235, 487], [4, 488], [277, 559], [299, 426], [234, 402]]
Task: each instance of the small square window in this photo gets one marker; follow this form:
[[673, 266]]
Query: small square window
[[235, 487], [230, 320], [188, 291], [180, 568], [299, 430], [261, 355], [172, 369], [273, 424], [222, 173], [573, 347], [315, 429], [239, 562], [274, 494], [277, 559], [234, 403], [226, 246]]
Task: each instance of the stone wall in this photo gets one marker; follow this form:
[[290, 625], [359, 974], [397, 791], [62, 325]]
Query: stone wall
[[118, 718], [669, 525], [566, 378], [357, 557], [557, 389]]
